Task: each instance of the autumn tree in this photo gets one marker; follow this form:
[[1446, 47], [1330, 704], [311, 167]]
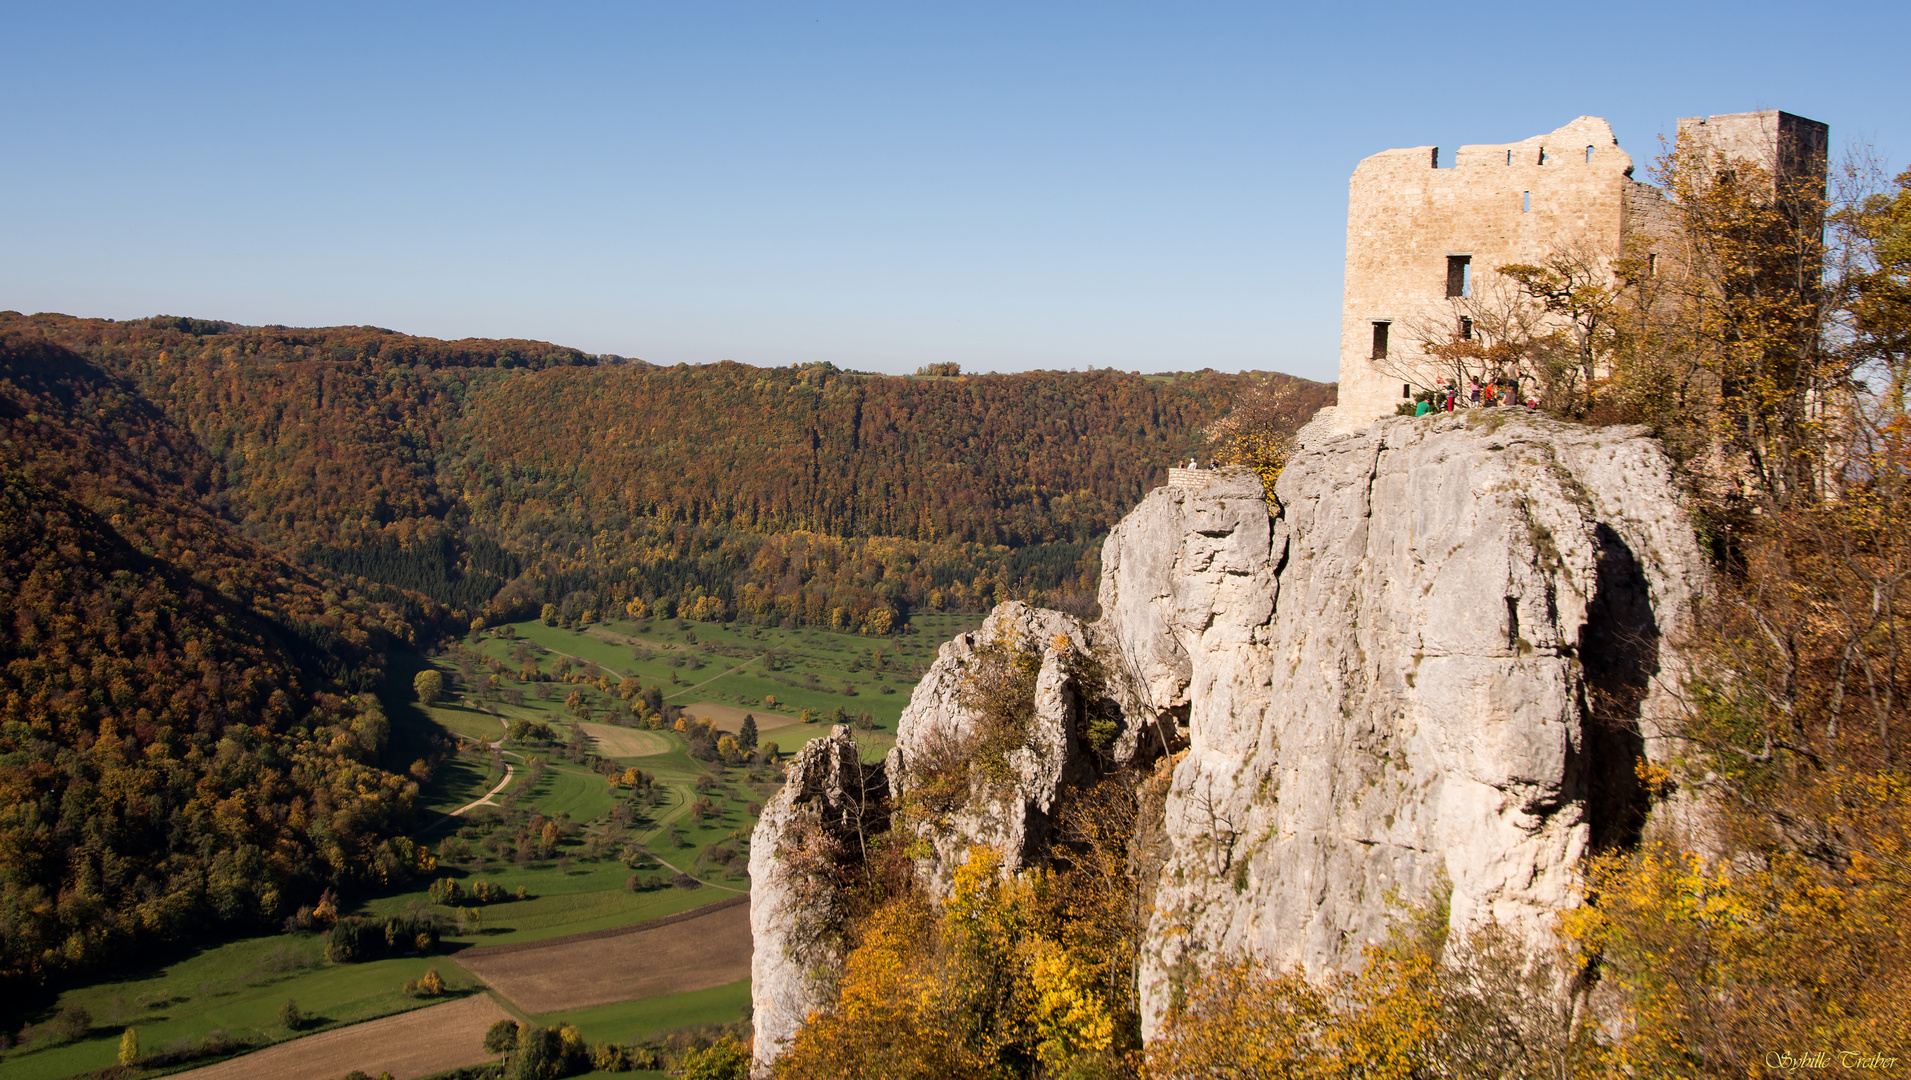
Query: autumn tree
[[1547, 326], [1578, 296], [429, 685], [501, 1037], [1416, 1006], [1772, 358], [983, 984], [1258, 431], [726, 1059]]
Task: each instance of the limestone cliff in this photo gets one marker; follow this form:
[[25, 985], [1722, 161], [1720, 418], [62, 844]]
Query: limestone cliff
[[1441, 656], [1014, 816], [1436, 657], [811, 829]]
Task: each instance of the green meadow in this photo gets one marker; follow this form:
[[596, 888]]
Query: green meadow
[[236, 988], [628, 1021], [784, 671]]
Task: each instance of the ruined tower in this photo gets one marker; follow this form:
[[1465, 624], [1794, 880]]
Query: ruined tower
[[1425, 236]]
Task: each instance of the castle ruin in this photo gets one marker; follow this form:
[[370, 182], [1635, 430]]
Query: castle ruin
[[1425, 237]]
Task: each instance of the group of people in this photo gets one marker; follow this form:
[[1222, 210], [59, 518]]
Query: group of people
[[1494, 393]]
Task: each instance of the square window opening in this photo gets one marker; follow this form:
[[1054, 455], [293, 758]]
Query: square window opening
[[1459, 276]]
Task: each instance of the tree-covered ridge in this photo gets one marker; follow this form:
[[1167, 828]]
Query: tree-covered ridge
[[178, 744], [451, 468], [1000, 459]]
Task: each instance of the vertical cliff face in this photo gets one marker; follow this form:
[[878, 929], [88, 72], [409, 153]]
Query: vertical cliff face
[[811, 831], [1434, 663], [1439, 660]]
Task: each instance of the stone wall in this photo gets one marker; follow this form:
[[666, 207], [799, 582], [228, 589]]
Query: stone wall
[[1189, 478], [1570, 190], [1497, 204], [1779, 141]]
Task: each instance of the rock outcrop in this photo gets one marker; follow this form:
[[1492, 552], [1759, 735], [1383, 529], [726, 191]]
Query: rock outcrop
[[1437, 662], [1433, 662], [1015, 815], [814, 827]]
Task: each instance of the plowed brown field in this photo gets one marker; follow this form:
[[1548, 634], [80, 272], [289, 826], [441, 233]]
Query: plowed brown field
[[625, 742], [417, 1043], [730, 718], [708, 949]]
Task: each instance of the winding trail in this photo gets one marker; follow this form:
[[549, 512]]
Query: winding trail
[[692, 876], [509, 769]]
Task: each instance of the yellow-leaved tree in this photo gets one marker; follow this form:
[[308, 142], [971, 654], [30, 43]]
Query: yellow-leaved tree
[[1417, 1006], [1259, 431], [995, 981]]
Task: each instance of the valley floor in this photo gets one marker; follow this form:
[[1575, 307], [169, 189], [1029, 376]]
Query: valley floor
[[582, 946]]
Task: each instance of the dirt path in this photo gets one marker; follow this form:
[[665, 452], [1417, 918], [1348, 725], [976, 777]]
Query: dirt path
[[693, 877], [489, 795], [714, 678], [587, 664], [418, 1043], [696, 951]]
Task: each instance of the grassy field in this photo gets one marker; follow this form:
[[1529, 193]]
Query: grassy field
[[627, 1021], [235, 988], [784, 671], [417, 1043]]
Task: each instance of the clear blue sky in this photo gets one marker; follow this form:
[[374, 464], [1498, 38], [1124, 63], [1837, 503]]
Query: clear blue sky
[[1007, 185]]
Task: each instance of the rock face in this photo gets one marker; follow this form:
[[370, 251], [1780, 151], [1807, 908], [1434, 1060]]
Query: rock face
[[1438, 662], [1434, 664], [1014, 818], [811, 828]]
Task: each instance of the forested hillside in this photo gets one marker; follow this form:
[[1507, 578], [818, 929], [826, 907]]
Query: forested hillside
[[211, 535], [496, 476], [180, 740]]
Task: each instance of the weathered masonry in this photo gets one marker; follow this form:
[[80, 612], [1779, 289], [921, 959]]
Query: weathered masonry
[[1424, 236]]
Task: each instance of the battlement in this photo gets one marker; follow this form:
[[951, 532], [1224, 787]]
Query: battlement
[[1194, 479]]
